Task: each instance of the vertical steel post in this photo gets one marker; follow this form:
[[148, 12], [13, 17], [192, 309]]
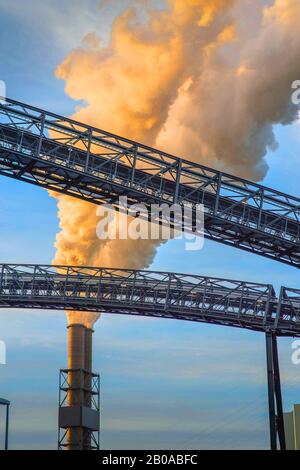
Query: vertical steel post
[[271, 390], [39, 146], [88, 150], [219, 184], [6, 427], [280, 423], [178, 175], [134, 165]]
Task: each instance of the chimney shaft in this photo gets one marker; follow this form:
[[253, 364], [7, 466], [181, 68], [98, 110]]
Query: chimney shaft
[[88, 364], [79, 394], [76, 346], [88, 349], [76, 364]]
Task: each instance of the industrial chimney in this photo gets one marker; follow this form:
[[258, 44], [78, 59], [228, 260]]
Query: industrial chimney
[[88, 357], [79, 394]]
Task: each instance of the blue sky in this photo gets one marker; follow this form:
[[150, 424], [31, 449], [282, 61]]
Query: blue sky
[[164, 384]]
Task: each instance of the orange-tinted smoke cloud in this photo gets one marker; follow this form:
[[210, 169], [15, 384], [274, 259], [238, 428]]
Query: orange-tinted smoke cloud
[[226, 117], [195, 79]]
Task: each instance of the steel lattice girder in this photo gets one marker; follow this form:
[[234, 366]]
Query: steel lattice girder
[[147, 293], [58, 153], [289, 303]]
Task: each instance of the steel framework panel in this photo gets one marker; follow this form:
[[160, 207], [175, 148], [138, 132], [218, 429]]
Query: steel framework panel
[[146, 293], [289, 304], [66, 156], [90, 439]]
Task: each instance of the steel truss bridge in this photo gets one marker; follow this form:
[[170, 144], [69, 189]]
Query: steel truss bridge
[[152, 294], [60, 154]]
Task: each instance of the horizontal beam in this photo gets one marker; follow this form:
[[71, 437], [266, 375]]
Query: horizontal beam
[[61, 154], [146, 293]]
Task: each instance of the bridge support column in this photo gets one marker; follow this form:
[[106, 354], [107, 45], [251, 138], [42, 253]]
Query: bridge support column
[[274, 393]]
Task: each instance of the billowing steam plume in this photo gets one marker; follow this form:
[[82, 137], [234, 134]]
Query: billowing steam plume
[[203, 79]]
